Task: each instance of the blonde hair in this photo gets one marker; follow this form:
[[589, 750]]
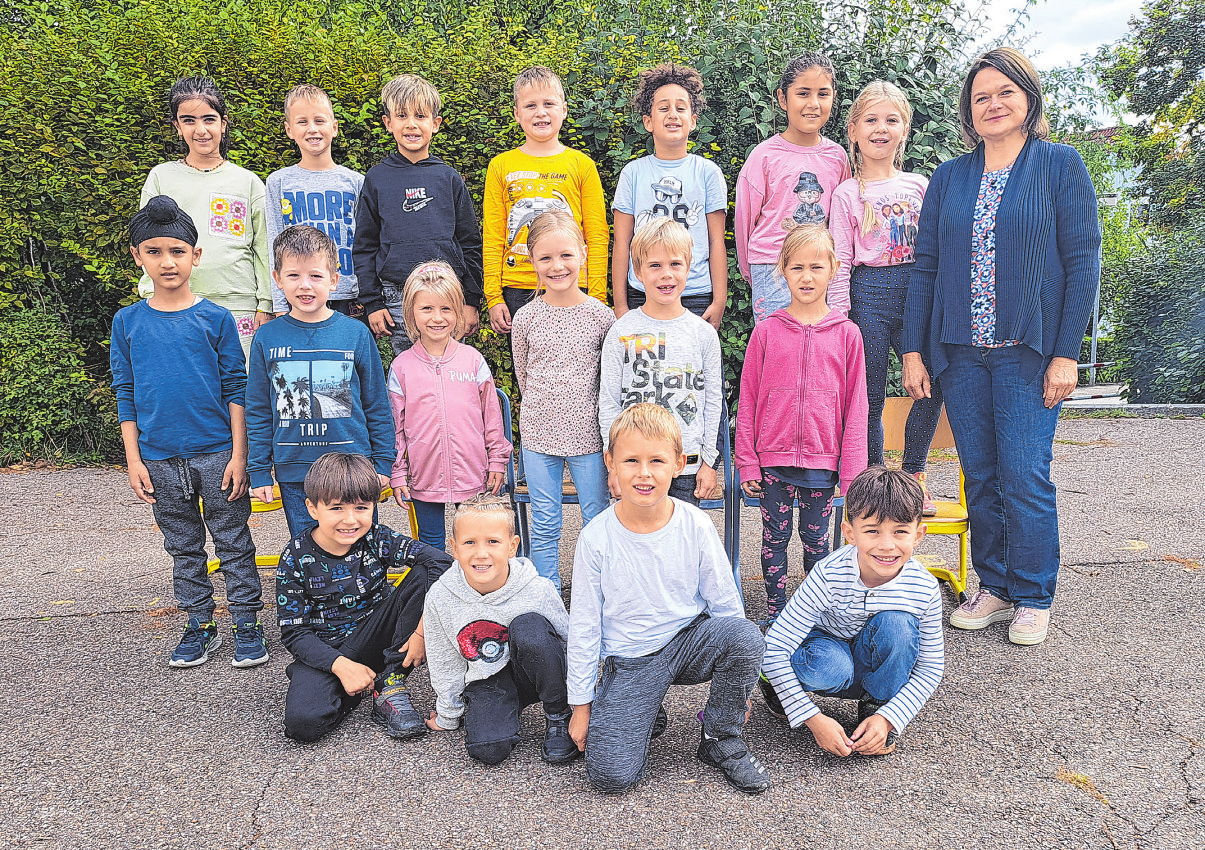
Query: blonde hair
[[802, 237], [410, 90], [484, 505], [437, 278], [538, 76], [661, 230], [651, 421], [309, 94], [876, 91], [546, 224]]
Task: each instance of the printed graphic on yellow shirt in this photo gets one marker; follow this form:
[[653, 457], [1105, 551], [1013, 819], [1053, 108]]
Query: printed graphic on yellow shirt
[[528, 200]]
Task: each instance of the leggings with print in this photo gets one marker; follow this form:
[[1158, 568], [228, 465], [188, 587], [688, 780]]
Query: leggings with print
[[815, 510]]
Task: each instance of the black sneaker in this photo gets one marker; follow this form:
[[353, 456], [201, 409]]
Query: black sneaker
[[773, 703], [558, 746], [250, 645], [193, 649], [866, 708], [741, 768], [661, 723], [392, 708]]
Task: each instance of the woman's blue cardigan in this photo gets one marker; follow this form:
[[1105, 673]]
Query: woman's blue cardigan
[[1047, 255]]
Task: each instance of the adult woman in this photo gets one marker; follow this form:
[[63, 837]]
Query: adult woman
[[1008, 262]]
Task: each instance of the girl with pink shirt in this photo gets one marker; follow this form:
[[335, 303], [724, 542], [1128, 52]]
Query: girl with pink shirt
[[801, 423], [451, 443], [873, 220], [788, 180]]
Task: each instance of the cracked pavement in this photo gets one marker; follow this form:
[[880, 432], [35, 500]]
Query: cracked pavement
[[1093, 739]]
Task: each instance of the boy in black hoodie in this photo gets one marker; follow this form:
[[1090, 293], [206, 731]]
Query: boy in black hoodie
[[413, 208]]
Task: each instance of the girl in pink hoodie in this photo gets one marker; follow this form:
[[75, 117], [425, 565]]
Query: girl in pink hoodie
[[450, 438], [801, 422]]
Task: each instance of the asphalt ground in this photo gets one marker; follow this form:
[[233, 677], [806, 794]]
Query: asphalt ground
[[1093, 739]]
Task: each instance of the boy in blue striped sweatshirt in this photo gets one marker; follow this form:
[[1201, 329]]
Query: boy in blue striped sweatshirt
[[865, 624]]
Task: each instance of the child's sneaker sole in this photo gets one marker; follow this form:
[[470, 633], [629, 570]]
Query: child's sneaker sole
[[250, 662]]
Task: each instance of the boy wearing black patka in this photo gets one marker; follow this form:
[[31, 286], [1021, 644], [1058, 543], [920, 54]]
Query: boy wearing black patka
[[351, 630]]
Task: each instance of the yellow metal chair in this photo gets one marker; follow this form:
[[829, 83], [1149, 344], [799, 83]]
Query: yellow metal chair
[[269, 562], [952, 517]]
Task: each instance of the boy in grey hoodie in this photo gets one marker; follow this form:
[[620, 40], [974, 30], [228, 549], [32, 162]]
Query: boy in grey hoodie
[[495, 635]]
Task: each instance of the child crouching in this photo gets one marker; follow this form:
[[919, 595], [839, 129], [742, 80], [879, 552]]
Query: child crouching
[[351, 631], [865, 624], [495, 632]]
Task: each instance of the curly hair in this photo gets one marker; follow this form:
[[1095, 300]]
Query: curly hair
[[668, 74]]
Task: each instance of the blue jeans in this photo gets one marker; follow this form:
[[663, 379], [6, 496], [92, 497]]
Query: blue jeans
[[429, 516], [875, 665], [769, 290], [292, 500], [545, 476], [876, 297], [1005, 440]]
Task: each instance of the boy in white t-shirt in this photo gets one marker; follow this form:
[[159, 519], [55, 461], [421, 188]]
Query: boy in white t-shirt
[[673, 183]]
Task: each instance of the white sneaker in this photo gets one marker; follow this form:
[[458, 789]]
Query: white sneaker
[[980, 611], [1029, 626]]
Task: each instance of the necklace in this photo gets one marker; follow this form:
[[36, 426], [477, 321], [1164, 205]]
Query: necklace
[[221, 162]]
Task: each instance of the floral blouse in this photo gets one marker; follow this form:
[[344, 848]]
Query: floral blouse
[[983, 260]]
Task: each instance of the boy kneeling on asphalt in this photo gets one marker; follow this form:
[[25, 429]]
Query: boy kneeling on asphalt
[[351, 631]]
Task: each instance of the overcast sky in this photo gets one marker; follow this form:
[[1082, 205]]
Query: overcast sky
[[1064, 30]]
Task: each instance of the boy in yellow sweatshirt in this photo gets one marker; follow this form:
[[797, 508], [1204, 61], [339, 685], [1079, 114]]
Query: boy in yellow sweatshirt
[[540, 175]]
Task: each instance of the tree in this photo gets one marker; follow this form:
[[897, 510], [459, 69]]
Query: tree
[[1158, 68]]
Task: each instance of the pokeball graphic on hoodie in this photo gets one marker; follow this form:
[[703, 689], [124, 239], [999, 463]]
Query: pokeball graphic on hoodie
[[482, 640]]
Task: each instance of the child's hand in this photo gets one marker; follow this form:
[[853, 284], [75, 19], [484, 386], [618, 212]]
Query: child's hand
[[714, 314], [494, 482], [140, 482], [414, 651], [579, 725], [500, 318], [235, 479], [354, 676], [433, 724], [401, 495], [381, 322], [753, 487], [871, 734], [261, 319], [829, 735], [384, 480], [706, 482], [472, 318], [264, 494]]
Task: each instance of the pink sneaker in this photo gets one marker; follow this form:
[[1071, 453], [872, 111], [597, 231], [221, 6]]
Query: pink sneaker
[[1029, 626], [980, 611], [928, 507]]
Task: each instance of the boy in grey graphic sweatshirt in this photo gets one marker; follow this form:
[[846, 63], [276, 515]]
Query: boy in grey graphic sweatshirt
[[495, 634]]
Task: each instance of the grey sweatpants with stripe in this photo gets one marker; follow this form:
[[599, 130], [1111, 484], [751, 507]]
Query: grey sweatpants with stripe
[[179, 483], [725, 650]]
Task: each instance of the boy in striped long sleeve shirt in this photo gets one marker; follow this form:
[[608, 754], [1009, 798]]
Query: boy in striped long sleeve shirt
[[865, 624]]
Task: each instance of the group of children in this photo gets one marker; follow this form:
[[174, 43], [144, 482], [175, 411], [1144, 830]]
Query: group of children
[[227, 378]]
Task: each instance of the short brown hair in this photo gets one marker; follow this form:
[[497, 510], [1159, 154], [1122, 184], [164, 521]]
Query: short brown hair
[[436, 277], [538, 75], [342, 477], [410, 90], [308, 93], [303, 240], [484, 505], [1011, 63], [651, 421], [661, 230], [886, 494], [652, 79]]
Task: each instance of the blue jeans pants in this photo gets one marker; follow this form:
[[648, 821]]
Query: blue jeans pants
[[876, 297], [875, 665], [1005, 440], [769, 290], [545, 482]]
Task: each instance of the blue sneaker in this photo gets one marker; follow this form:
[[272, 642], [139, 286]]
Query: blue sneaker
[[250, 645], [194, 647]]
